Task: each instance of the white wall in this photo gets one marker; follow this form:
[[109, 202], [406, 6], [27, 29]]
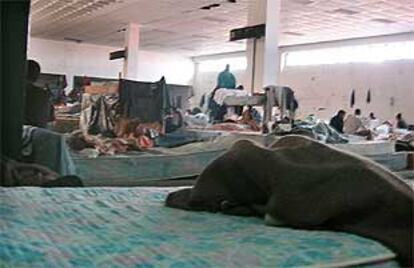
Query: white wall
[[330, 86], [91, 60], [176, 69]]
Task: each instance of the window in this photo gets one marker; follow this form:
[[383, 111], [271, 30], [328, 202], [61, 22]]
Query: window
[[372, 53], [236, 63]]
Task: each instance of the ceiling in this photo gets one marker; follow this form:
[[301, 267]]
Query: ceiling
[[182, 27]]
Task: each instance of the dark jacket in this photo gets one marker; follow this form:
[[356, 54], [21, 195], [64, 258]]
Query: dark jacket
[[37, 106], [402, 124], [337, 123]]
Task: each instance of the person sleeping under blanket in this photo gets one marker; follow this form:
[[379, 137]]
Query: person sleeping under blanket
[[301, 183]]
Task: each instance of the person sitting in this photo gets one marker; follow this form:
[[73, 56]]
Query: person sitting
[[248, 119], [337, 122], [400, 122], [353, 125], [373, 122], [38, 109]]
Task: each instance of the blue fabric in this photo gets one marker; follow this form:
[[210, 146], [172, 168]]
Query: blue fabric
[[131, 227], [49, 149], [136, 167], [226, 80], [178, 138]]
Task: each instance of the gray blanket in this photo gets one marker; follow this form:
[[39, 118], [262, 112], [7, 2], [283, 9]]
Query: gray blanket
[[304, 184]]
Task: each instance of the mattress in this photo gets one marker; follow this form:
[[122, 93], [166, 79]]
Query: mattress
[[158, 164], [130, 227], [368, 148], [137, 168]]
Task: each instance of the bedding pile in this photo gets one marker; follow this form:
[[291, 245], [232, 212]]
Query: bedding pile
[[14, 173], [132, 136], [301, 183]]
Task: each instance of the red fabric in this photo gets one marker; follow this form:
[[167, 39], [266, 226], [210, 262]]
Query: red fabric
[[145, 142], [231, 127]]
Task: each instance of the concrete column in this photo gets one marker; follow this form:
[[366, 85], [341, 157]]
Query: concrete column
[[132, 48], [271, 67], [266, 63], [256, 15]]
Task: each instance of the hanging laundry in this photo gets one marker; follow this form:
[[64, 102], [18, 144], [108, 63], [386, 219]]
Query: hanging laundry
[[98, 114], [150, 102], [369, 96], [353, 98]]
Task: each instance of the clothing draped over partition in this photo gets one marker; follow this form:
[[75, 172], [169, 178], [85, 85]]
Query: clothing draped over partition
[[147, 101]]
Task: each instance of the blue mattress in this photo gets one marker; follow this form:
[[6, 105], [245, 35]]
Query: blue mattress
[[138, 168], [135, 168], [130, 227]]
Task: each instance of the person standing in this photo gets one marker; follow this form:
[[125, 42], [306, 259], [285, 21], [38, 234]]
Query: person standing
[[226, 79]]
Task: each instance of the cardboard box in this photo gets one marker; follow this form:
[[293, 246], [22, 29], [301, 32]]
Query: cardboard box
[[102, 89]]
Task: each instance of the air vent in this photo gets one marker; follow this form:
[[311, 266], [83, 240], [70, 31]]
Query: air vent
[[153, 45], [214, 19], [344, 11], [304, 2], [72, 39], [199, 36], [208, 7], [69, 10], [160, 32], [187, 48], [385, 21], [294, 33]]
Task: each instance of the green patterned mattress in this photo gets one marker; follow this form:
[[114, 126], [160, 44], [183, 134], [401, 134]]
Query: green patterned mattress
[[130, 227]]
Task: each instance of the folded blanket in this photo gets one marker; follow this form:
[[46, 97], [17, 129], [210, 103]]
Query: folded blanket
[[304, 184]]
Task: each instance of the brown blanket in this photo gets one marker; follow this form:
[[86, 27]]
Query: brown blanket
[[305, 184]]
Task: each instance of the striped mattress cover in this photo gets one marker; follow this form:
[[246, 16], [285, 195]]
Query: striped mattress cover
[[130, 227]]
